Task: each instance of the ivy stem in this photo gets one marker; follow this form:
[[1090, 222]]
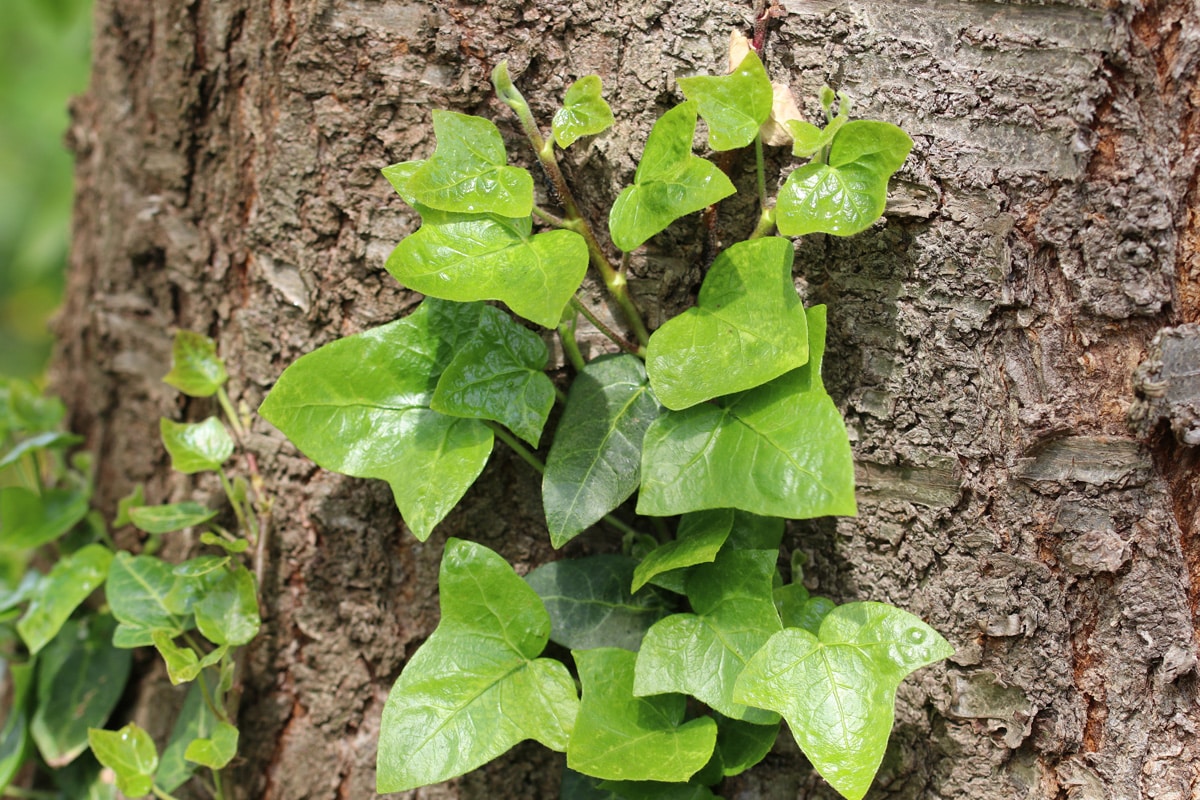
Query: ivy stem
[[761, 170], [619, 340], [238, 510], [766, 224], [231, 412], [566, 335], [218, 789], [550, 219], [33, 794]]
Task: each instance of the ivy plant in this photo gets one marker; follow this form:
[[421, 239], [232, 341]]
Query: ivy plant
[[679, 658]]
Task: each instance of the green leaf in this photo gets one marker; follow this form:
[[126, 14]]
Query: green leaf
[[669, 183], [29, 520], [467, 172], [807, 139], [130, 753], [747, 328], [196, 446], [743, 744], [216, 751], [594, 464], [621, 737], [360, 406], [135, 499], [14, 736], [476, 687], [169, 518], [85, 779], [182, 663], [137, 590], [235, 546], [702, 654], [73, 578], [590, 603], [193, 581], [846, 195], [49, 440], [399, 175], [779, 450], [837, 691], [697, 541], [196, 721], [467, 257], [196, 369], [228, 611], [655, 790], [498, 376], [752, 532], [798, 610], [584, 112], [735, 106]]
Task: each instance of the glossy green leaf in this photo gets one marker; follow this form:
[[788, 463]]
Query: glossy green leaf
[[360, 406], [780, 450], [807, 139], [697, 541], [594, 464], [847, 194], [741, 745], [467, 172], [590, 603], [169, 518], [467, 257], [14, 735], [130, 754], [584, 112], [196, 446], [50, 440], [837, 691], [217, 750], [196, 369], [228, 612], [135, 499], [670, 182], [69, 583], [703, 653], [137, 591], [748, 327], [194, 579], [498, 375], [476, 687], [798, 610], [625, 738], [398, 176], [196, 721], [29, 520], [735, 105]]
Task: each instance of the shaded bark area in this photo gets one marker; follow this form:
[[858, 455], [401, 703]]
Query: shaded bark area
[[982, 341]]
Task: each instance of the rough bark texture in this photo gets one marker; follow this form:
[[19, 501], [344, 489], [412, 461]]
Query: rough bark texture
[[1045, 228]]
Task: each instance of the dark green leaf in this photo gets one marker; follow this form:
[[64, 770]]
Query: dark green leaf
[[218, 750], [73, 578], [137, 591], [196, 369], [584, 112], [697, 541], [14, 736], [85, 779], [196, 446], [169, 518], [798, 610], [743, 744], [196, 721], [130, 753], [228, 612], [655, 790], [735, 106], [752, 532], [29, 520]]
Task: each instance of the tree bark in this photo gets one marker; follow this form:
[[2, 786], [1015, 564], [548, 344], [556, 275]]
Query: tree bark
[[982, 340]]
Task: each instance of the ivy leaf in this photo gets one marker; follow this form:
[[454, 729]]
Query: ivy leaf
[[476, 687], [360, 406], [216, 751], [69, 583], [50, 440], [612, 722], [697, 541], [584, 112], [735, 106], [135, 499], [837, 691], [780, 450], [741, 745], [234, 546], [847, 194], [196, 369], [130, 753], [196, 446], [399, 175], [137, 591], [654, 790], [469, 257], [29, 520], [183, 665], [169, 518], [467, 172], [798, 610], [196, 721], [669, 183], [590, 603], [228, 612], [702, 654], [14, 735], [594, 464], [748, 327], [498, 376]]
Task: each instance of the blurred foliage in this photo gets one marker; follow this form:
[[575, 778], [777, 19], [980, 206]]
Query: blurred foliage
[[44, 60]]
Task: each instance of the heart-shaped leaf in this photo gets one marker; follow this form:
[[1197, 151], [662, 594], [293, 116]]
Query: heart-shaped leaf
[[741, 745], [669, 183], [697, 541], [476, 687], [170, 518], [130, 754], [196, 446], [837, 691], [584, 112], [29, 519], [137, 590], [217, 750], [748, 327], [228, 612], [798, 610], [196, 369], [69, 583], [735, 105], [399, 175]]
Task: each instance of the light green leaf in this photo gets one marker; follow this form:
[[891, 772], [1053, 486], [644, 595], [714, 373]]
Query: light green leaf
[[14, 735], [807, 139], [702, 654], [846, 195], [130, 753], [360, 406], [467, 172], [747, 328], [29, 520], [594, 464], [196, 721], [837, 691], [625, 738], [590, 603], [137, 591], [235, 546], [135, 499], [182, 663], [228, 611], [476, 687], [196, 446], [743, 744], [498, 376], [193, 581], [73, 578], [169, 518], [398, 176], [216, 751], [196, 369], [670, 182], [584, 112], [50, 440], [735, 106], [798, 610], [697, 541]]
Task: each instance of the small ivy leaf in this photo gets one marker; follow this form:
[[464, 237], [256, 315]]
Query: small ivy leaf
[[14, 734], [669, 183], [196, 446], [476, 687], [130, 754], [594, 463], [217, 750], [697, 541], [702, 654], [798, 610], [735, 106], [169, 518], [468, 257], [847, 194], [584, 112], [590, 603], [196, 369], [196, 721], [468, 171], [228, 612], [235, 546], [134, 499], [50, 440], [199, 566], [29, 520], [193, 584], [137, 590], [182, 663], [743, 744], [360, 406], [399, 175], [498, 376], [748, 327], [807, 139], [611, 720], [69, 583], [837, 691]]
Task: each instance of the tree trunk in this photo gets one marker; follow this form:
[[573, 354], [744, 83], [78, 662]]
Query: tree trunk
[[982, 342]]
